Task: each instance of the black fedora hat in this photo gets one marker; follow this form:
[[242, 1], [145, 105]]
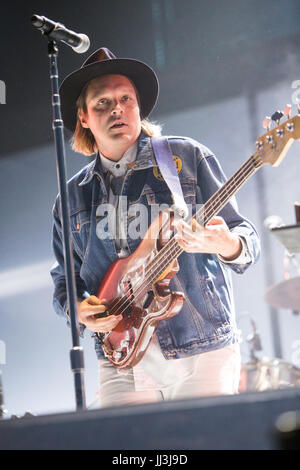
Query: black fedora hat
[[103, 62]]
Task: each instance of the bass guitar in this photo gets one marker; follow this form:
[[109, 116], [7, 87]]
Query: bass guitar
[[138, 286]]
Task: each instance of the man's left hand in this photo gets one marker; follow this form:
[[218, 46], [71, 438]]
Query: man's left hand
[[215, 237]]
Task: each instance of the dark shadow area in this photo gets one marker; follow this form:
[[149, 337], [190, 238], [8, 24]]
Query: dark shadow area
[[202, 51]]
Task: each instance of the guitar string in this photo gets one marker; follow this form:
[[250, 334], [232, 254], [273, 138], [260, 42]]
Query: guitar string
[[167, 249], [207, 212], [256, 162], [172, 246], [238, 179]]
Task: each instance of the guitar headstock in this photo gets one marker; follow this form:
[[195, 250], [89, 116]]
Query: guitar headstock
[[272, 146]]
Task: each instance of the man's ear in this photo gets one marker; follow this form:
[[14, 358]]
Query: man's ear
[[82, 118]]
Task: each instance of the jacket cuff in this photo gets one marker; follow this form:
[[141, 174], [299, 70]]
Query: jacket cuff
[[243, 258]]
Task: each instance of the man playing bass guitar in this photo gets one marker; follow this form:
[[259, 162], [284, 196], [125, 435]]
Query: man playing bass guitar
[[195, 350]]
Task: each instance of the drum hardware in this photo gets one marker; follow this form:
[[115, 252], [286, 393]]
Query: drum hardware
[[286, 294], [273, 373], [268, 374], [253, 339], [2, 407], [260, 374]]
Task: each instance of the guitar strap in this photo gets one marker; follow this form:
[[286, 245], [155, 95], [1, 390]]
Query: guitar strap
[[166, 164]]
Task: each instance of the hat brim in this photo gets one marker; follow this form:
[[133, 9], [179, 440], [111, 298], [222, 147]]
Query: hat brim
[[143, 77]]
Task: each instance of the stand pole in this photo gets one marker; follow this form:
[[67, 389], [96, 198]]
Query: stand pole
[[2, 408], [76, 353]]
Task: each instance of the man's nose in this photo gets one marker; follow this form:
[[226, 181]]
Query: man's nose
[[117, 109]]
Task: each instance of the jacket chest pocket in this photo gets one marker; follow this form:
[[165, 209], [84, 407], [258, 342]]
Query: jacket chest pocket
[[165, 197], [189, 192], [80, 228], [159, 197]]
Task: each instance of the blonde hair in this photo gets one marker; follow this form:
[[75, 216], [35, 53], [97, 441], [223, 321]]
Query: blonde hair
[[83, 140]]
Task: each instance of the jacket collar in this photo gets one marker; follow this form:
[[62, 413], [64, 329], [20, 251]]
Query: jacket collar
[[144, 159]]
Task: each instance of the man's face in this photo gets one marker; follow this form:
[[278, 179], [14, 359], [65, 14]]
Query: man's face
[[113, 114]]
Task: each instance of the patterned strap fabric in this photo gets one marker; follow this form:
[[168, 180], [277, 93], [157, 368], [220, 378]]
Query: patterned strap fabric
[[164, 158]]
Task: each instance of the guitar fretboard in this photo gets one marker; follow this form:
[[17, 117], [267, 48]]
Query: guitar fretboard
[[212, 207]]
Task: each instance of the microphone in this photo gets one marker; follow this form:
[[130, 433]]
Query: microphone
[[58, 32]]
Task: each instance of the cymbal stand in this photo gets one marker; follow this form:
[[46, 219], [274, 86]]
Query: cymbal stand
[[253, 339], [288, 260]]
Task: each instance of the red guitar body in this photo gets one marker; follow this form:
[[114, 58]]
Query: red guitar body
[[143, 305]]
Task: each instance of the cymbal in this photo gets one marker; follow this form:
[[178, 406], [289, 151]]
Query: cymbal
[[286, 294], [289, 237]]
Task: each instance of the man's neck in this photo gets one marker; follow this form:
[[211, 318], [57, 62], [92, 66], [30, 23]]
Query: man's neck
[[115, 154], [129, 154]]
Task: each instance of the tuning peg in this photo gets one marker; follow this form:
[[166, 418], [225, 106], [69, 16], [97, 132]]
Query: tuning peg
[[266, 123], [287, 111], [277, 116]]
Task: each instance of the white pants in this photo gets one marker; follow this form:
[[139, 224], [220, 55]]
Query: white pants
[[216, 373]]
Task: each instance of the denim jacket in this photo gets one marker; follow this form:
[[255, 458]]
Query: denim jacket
[[207, 318]]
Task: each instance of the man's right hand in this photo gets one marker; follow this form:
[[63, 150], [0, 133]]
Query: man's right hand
[[87, 311]]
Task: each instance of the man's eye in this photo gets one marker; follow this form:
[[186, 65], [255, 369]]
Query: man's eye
[[126, 98], [103, 101]]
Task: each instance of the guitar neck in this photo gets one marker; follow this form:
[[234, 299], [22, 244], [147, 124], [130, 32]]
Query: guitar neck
[[218, 200], [213, 206]]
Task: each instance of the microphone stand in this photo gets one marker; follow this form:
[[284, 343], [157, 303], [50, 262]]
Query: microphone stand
[[76, 353]]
